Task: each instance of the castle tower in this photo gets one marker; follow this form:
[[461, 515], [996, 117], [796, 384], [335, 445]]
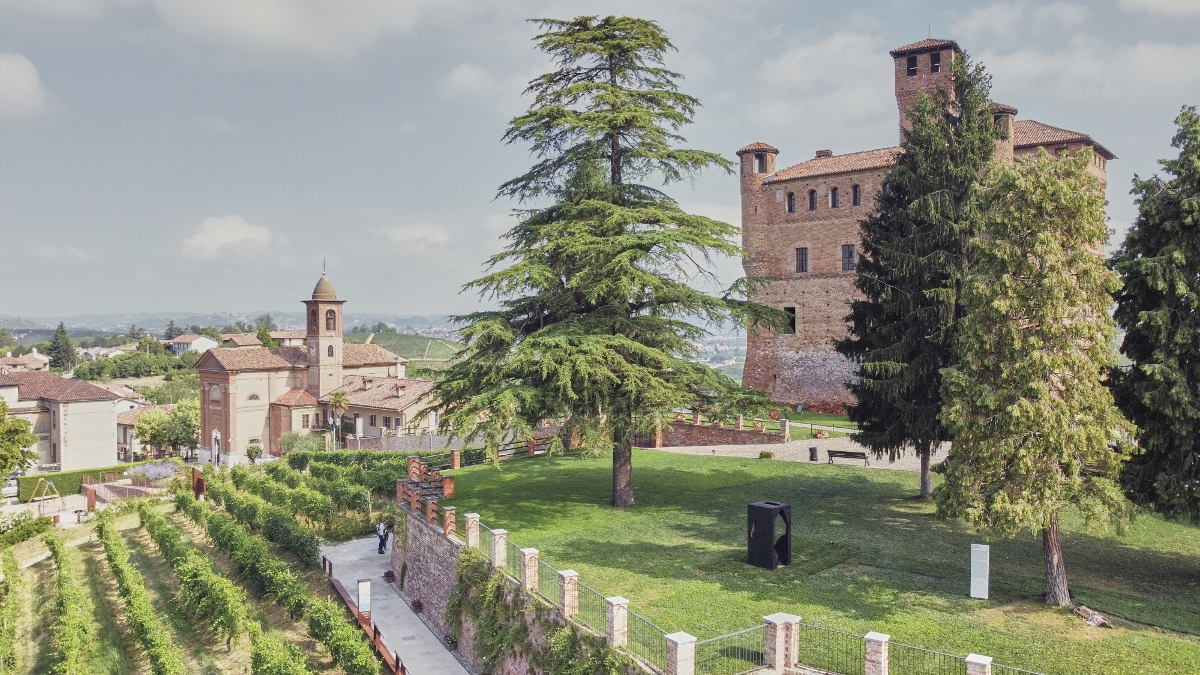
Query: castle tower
[[922, 66], [324, 339]]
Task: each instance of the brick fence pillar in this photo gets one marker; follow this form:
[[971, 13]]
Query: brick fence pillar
[[781, 630], [472, 527], [741, 422], [877, 653], [431, 511], [448, 487], [697, 418], [449, 523], [456, 459], [414, 467], [618, 621], [530, 447], [499, 548], [979, 665], [414, 498], [785, 429], [568, 592], [529, 569], [681, 654]]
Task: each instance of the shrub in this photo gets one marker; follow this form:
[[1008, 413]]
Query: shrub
[[766, 454], [270, 655], [10, 610], [253, 453], [70, 634]]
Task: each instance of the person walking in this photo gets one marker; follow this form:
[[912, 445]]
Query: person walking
[[381, 531]]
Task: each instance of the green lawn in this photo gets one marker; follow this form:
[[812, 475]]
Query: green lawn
[[823, 419], [867, 555]]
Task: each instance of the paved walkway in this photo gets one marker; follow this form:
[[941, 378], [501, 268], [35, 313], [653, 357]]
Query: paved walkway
[[797, 451], [403, 632]]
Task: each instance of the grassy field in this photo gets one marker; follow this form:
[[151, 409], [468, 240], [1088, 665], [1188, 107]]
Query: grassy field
[[867, 555], [422, 352]]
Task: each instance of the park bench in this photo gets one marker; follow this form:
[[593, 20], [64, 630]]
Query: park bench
[[848, 454]]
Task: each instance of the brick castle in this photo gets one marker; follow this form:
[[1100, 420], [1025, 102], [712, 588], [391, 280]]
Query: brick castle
[[800, 231]]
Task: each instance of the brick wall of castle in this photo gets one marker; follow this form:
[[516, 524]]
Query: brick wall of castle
[[432, 560], [684, 434]]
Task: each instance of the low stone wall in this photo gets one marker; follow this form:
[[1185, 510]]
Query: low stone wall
[[684, 433]]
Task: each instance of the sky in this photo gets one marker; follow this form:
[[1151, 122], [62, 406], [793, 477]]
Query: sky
[[212, 155]]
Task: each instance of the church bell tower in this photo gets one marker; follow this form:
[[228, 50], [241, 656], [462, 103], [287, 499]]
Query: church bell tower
[[324, 339]]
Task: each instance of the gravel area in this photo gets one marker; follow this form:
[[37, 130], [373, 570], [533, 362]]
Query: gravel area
[[797, 451]]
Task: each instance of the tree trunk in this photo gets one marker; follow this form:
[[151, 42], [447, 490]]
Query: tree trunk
[[1057, 594], [926, 476], [623, 475]]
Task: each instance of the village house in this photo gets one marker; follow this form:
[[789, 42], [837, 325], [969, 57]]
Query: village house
[[129, 446], [31, 361], [251, 396], [191, 343], [75, 421], [800, 232]]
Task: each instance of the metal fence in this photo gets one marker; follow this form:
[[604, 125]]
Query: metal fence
[[832, 650], [647, 641], [549, 585], [908, 660], [514, 559], [593, 611], [739, 652]]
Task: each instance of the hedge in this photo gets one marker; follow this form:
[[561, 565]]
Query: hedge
[[70, 482], [26, 529], [71, 635]]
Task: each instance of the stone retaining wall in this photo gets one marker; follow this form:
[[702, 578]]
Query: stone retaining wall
[[684, 433]]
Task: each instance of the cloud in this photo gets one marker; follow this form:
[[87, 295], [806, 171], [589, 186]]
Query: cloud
[[416, 238], [58, 253], [501, 222], [469, 81], [838, 82], [230, 235], [1006, 19], [216, 123], [21, 92], [1162, 7], [62, 9]]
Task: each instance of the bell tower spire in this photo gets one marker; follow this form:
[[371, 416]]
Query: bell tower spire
[[324, 338]]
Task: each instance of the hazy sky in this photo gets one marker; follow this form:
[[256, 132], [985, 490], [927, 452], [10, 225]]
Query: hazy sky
[[205, 155]]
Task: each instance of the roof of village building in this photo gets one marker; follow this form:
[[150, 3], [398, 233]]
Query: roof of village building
[[122, 390], [1027, 133], [34, 384], [383, 393], [324, 290], [186, 339], [758, 147], [294, 398], [928, 44], [288, 334], [824, 166], [129, 418], [242, 339], [283, 358]]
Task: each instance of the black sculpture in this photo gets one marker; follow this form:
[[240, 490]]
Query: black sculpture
[[762, 548]]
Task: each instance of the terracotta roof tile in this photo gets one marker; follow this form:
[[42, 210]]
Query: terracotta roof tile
[[186, 339], [288, 334], [383, 393], [1028, 133], [368, 355], [34, 384], [758, 147], [242, 339], [129, 418], [825, 166], [295, 398], [285, 358], [928, 44]]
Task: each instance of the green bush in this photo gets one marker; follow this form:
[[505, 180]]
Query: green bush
[[9, 611], [70, 633], [70, 482], [328, 622], [271, 655], [26, 529]]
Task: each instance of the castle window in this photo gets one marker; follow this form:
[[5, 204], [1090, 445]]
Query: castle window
[[912, 66], [801, 260], [848, 263], [812, 200], [330, 320], [252, 397], [791, 202], [760, 161], [856, 195], [834, 198], [935, 62], [791, 320], [330, 351]]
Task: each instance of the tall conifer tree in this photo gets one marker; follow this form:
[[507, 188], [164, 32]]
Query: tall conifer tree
[[1032, 423], [61, 350], [911, 269], [597, 290], [1159, 307]]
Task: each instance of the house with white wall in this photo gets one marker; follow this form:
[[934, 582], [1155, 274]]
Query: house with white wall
[[191, 343], [75, 421]]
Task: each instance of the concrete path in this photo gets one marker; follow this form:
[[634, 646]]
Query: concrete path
[[797, 451], [403, 632]]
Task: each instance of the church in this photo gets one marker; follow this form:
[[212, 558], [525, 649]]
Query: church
[[250, 396], [800, 232]]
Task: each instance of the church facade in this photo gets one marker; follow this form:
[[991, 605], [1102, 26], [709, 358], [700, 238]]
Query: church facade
[[800, 231], [250, 396]]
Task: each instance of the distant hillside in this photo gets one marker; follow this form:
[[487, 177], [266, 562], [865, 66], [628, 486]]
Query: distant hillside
[[421, 351]]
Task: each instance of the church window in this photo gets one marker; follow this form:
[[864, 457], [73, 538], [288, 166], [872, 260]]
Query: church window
[[791, 202], [760, 160], [330, 351], [835, 198], [912, 66], [312, 319], [935, 62], [802, 260], [848, 262], [330, 320], [812, 200], [791, 320], [214, 394], [856, 195], [252, 397]]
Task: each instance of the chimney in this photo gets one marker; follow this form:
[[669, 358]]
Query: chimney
[[824, 153], [367, 383]]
